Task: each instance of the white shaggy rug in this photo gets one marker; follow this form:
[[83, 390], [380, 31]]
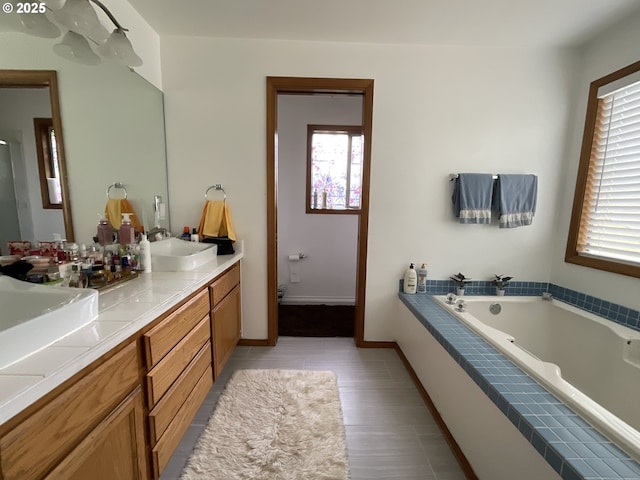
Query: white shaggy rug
[[273, 425]]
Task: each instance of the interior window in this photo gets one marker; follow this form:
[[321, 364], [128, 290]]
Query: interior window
[[48, 164], [605, 223], [334, 168]]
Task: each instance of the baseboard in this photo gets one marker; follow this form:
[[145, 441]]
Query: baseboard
[[318, 301], [455, 448], [252, 342], [368, 344]]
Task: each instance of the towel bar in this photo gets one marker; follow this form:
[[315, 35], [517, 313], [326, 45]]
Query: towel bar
[[453, 176], [119, 185], [217, 186]]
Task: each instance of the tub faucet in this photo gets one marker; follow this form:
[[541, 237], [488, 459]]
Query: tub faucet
[[547, 296]]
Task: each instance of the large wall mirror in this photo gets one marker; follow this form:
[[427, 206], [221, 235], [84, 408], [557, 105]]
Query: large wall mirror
[[30, 129], [108, 124]]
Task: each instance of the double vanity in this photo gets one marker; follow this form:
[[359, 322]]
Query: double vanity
[[113, 398]]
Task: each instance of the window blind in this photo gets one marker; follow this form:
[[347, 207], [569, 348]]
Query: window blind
[[610, 224]]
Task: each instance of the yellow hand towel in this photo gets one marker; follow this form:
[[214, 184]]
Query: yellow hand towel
[[114, 209], [216, 220]]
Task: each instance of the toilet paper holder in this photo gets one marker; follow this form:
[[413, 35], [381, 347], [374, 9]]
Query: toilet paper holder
[[297, 256]]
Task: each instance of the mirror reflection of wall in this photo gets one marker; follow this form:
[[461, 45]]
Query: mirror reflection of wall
[[113, 125], [18, 109]]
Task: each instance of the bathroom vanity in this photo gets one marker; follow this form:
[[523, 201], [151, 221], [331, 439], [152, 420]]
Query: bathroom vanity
[[122, 391]]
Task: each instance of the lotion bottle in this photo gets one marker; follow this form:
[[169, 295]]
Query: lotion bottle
[[422, 278], [127, 233], [410, 280], [105, 233], [145, 254]]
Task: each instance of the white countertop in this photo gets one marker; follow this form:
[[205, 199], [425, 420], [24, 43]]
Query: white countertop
[[123, 311]]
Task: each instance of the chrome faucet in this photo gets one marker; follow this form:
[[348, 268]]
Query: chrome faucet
[[547, 296], [158, 233]]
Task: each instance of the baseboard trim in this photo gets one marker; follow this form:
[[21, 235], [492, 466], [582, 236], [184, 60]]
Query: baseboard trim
[[455, 448], [318, 300], [253, 342], [368, 344]]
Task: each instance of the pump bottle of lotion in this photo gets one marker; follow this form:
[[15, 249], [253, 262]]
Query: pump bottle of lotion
[[145, 254], [127, 233], [410, 280]]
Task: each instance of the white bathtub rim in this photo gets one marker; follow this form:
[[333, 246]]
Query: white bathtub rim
[[548, 375]]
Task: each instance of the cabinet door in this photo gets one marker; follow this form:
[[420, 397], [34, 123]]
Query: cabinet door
[[225, 318], [113, 450]]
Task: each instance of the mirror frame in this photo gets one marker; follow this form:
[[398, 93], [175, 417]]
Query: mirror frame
[[47, 79]]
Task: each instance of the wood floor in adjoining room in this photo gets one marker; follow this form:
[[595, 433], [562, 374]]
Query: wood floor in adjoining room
[[390, 431]]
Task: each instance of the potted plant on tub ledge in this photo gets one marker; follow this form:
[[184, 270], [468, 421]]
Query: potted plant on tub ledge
[[501, 282], [460, 281]]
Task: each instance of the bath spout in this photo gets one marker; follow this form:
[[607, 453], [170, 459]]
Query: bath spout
[[547, 296]]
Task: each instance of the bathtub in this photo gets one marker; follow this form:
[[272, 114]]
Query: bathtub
[[591, 364]]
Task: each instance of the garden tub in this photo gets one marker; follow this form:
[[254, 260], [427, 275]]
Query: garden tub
[[590, 363]]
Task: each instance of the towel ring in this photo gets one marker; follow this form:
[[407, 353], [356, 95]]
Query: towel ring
[[217, 186], [119, 185]]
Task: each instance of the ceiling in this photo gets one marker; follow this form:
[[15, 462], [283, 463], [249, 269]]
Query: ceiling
[[504, 23]]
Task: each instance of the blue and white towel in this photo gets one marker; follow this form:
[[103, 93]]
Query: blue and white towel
[[472, 196], [516, 196]]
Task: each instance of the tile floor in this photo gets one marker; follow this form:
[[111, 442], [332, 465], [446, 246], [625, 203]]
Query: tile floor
[[390, 432]]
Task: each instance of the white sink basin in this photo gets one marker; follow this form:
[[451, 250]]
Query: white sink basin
[[175, 255], [34, 316]]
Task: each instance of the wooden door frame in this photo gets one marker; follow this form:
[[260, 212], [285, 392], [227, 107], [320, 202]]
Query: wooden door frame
[[304, 85]]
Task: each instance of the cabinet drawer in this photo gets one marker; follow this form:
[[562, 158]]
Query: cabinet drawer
[[163, 337], [160, 378], [165, 447], [42, 440], [168, 406], [223, 285], [225, 327]]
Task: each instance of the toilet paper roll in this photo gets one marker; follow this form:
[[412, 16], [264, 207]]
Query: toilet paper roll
[[294, 268], [55, 191]]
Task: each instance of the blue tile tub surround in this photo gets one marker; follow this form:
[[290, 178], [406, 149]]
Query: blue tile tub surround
[[571, 446], [442, 287], [611, 311]]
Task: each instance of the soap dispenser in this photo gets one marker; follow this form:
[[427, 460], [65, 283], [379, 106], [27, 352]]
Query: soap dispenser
[[410, 280], [105, 232], [127, 233], [145, 254]]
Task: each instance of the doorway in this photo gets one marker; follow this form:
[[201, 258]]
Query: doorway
[[313, 86]]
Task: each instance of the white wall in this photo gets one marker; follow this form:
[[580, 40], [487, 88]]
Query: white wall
[[604, 54], [145, 40], [18, 108], [328, 274], [436, 110]]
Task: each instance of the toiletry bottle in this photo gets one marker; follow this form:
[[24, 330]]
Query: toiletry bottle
[[422, 278], [194, 236], [74, 279], [185, 234], [127, 234], [105, 233], [410, 280], [145, 254]]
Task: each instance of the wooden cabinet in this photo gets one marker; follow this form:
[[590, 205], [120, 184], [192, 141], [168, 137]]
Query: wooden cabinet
[[225, 316], [114, 449], [123, 416], [60, 438], [178, 356]]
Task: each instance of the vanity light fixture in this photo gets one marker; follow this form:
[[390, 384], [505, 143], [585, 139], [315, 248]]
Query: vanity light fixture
[[83, 27]]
